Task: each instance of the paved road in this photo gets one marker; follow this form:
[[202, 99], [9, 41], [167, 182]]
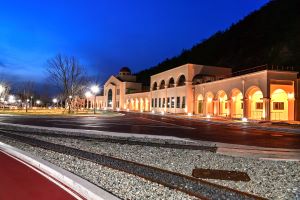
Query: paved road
[[19, 181], [162, 125]]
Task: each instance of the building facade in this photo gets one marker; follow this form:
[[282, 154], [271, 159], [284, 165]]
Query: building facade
[[206, 91]]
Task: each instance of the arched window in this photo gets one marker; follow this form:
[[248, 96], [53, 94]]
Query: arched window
[[181, 81], [162, 85], [154, 86], [171, 83], [109, 98]]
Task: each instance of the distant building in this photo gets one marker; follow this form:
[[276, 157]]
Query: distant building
[[267, 94]]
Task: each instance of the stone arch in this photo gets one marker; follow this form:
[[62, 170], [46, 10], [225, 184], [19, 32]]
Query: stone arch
[[280, 106], [209, 110], [200, 105], [222, 107], [171, 83], [147, 104], [109, 98], [255, 103], [181, 80], [162, 84], [154, 87], [237, 105]]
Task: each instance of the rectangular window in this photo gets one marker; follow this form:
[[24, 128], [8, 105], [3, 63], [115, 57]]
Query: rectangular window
[[178, 102], [152, 104], [168, 102], [159, 102], [172, 102], [259, 105], [118, 91], [183, 102], [155, 102], [164, 102], [226, 105], [278, 106], [242, 105]]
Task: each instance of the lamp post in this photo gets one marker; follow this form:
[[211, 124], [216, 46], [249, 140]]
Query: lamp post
[[88, 94], [38, 102], [95, 89], [54, 101], [70, 99]]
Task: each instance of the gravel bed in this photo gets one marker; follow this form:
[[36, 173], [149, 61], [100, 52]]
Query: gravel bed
[[269, 179], [122, 184]]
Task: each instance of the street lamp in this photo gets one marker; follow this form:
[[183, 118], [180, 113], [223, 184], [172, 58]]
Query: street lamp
[[54, 101], [95, 89], [38, 102]]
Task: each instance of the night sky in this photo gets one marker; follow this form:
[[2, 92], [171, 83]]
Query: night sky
[[106, 35]]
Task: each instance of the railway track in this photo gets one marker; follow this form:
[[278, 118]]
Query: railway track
[[190, 185], [118, 140]]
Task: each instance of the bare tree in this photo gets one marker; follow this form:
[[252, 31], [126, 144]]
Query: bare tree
[[4, 91], [68, 76], [26, 91]]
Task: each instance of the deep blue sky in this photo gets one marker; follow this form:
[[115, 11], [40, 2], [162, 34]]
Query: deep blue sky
[[106, 35]]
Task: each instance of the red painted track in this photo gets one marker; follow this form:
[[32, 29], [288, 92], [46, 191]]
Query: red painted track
[[19, 181]]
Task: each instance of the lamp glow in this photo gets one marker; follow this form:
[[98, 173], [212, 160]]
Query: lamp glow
[[244, 119]]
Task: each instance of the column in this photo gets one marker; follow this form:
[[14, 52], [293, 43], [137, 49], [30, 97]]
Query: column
[[215, 106], [229, 108], [266, 109], [246, 108]]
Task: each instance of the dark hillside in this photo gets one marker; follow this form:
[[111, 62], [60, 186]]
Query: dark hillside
[[270, 35]]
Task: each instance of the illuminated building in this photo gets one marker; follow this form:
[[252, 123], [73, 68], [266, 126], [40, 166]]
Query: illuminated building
[[267, 94]]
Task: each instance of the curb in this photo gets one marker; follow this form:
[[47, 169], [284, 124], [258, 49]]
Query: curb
[[82, 187]]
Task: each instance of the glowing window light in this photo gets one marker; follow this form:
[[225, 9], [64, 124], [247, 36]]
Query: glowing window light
[[208, 116], [209, 99]]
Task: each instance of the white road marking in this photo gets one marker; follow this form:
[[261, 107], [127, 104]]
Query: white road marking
[[187, 127]]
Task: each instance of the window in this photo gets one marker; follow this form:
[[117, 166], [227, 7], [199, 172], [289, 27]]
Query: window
[[183, 102], [164, 102], [152, 104], [173, 102], [118, 91], [259, 105], [242, 105], [155, 102], [278, 106], [178, 102], [226, 105], [159, 102], [168, 102]]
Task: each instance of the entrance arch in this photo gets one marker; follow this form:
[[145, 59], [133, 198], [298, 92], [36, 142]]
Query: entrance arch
[[255, 103], [109, 98], [223, 109], [237, 106], [200, 104], [279, 105], [209, 103]]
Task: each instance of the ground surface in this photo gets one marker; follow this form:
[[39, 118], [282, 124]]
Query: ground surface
[[163, 125], [18, 181]]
